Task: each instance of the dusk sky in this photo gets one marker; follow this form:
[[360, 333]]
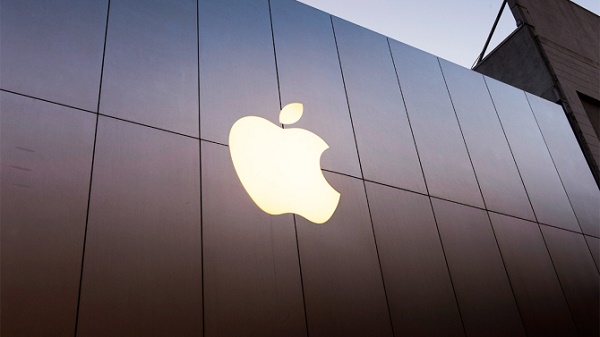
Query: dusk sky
[[454, 30]]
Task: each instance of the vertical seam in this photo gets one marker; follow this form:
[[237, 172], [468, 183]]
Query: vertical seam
[[346, 95], [556, 168], [87, 215], [387, 302], [461, 132], [510, 149], [203, 319], [460, 314], [528, 197], [558, 278], [379, 259], [483, 198], [275, 54], [516, 301], [301, 276], [570, 204], [293, 216], [407, 116]]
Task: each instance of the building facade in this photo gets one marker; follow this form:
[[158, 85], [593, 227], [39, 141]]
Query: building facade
[[466, 208], [555, 54]]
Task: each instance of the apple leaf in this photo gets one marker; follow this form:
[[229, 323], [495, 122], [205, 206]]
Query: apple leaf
[[291, 113]]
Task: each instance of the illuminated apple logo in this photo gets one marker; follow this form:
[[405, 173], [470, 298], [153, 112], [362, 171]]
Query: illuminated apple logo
[[280, 168]]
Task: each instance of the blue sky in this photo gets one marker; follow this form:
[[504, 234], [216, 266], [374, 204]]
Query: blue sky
[[454, 30]]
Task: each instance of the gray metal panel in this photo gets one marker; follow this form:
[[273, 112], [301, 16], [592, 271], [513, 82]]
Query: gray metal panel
[[252, 282], [151, 64], [540, 299], [383, 134], [46, 153], [309, 73], [448, 170], [340, 269], [542, 183], [594, 245], [53, 49], [237, 65], [484, 295], [142, 268], [497, 173], [578, 276], [418, 287], [572, 167]]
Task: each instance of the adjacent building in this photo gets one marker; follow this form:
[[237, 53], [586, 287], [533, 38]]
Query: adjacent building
[[555, 53]]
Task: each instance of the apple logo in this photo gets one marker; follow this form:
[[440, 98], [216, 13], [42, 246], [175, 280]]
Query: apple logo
[[280, 168]]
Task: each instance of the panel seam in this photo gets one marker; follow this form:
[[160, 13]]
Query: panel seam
[[49, 101], [87, 216], [203, 318], [483, 198], [387, 302], [293, 216], [407, 116], [553, 162], [529, 198], [461, 132], [510, 149], [460, 313]]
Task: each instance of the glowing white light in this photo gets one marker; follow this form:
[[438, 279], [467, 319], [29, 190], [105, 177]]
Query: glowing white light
[[280, 168], [291, 113]]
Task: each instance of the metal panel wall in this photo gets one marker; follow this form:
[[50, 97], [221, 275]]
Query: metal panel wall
[[175, 246], [340, 268], [485, 301], [309, 73], [578, 276], [594, 245], [46, 153], [142, 267], [540, 299], [543, 185], [53, 50], [499, 178], [383, 134], [446, 164], [418, 286], [252, 282], [151, 64], [572, 167], [237, 65]]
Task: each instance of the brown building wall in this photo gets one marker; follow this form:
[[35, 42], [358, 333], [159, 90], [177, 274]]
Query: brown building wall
[[466, 207]]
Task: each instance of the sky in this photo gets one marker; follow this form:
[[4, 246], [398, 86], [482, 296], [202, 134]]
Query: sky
[[454, 30]]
